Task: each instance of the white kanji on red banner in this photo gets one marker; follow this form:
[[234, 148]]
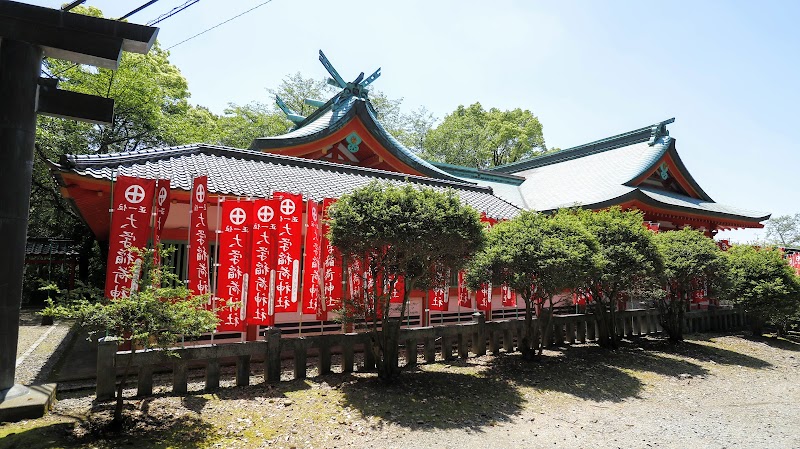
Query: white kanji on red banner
[[199, 238], [288, 249], [234, 256], [130, 227], [261, 295]]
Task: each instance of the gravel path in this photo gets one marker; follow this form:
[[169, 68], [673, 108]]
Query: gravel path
[[713, 391], [38, 347]]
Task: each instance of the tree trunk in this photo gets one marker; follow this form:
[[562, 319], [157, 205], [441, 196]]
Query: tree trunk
[[117, 424], [387, 352], [544, 323], [527, 347]]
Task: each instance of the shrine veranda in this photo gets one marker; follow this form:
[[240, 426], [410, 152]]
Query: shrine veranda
[[227, 210]]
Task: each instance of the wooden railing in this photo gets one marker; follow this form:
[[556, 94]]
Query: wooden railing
[[475, 337]]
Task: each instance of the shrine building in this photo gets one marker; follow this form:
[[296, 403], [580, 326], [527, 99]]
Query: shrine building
[[342, 146]]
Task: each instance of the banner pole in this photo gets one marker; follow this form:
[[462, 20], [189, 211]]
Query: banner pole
[[303, 256], [215, 268]]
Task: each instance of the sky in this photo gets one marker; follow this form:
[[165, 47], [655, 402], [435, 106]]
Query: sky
[[727, 71]]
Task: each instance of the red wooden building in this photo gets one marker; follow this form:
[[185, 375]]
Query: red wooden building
[[343, 145]]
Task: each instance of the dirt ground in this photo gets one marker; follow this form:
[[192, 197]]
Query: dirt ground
[[713, 391]]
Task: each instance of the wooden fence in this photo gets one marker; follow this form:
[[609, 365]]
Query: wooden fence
[[454, 340]]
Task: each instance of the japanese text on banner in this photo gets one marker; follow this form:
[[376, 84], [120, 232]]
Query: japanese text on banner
[[199, 238], [261, 294], [332, 268], [289, 241], [232, 277], [163, 204], [130, 227], [312, 263]]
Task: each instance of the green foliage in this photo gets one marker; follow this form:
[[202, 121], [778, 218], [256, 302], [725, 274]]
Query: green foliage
[[405, 231], [240, 125], [784, 230], [540, 257], [689, 258], [629, 262], [161, 311], [474, 137], [764, 284]]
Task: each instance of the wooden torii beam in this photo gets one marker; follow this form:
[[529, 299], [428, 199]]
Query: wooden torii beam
[[27, 33]]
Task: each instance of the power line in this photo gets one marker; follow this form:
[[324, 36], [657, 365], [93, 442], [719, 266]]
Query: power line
[[138, 9], [172, 12], [219, 24]]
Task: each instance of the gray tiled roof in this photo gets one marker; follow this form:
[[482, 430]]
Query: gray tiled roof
[[600, 174], [251, 173], [45, 247]]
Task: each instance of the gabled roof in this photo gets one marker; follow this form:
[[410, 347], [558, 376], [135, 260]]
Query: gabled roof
[[334, 115], [249, 173], [611, 171]]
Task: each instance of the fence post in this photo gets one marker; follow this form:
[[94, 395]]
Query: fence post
[[243, 370], [411, 352], [300, 357], [348, 356], [324, 349], [106, 368], [180, 377], [479, 337], [144, 381], [212, 374], [272, 359]]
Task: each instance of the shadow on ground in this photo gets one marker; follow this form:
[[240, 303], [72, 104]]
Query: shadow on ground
[[693, 347], [159, 432], [435, 399]]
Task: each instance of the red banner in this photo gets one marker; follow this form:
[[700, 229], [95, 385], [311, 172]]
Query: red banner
[[483, 298], [355, 280], [289, 241], [199, 238], [163, 203], [463, 292], [312, 263], [508, 296], [439, 294], [794, 262], [652, 226], [232, 277], [438, 298], [130, 227], [399, 289], [261, 292], [332, 268]]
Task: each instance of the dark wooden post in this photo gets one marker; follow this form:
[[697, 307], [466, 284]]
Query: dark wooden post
[[20, 64]]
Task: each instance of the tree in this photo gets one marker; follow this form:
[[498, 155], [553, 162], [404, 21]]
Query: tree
[[540, 257], [153, 317], [474, 137], [691, 260], [764, 285], [784, 230], [629, 261], [406, 233], [418, 123], [151, 109], [240, 125]]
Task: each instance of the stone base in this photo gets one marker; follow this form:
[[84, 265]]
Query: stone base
[[20, 402]]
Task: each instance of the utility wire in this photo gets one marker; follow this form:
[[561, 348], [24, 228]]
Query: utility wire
[[138, 9], [172, 12], [219, 24]]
